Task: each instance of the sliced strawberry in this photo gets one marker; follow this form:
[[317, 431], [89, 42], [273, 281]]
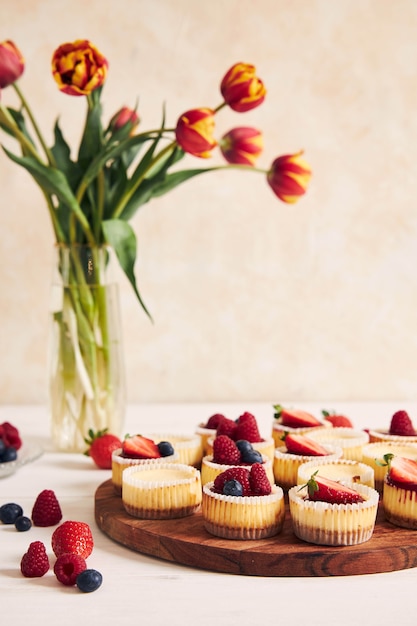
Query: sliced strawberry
[[300, 444], [325, 490], [337, 420], [138, 447], [402, 472], [295, 418]]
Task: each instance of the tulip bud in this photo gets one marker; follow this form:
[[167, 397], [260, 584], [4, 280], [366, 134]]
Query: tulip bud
[[125, 118], [194, 132], [241, 89], [289, 177], [79, 68], [242, 145], [12, 63]]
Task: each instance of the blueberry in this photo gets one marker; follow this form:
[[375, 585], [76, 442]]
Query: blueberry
[[244, 445], [2, 446], [10, 512], [232, 488], [251, 457], [89, 580], [165, 448], [9, 454], [23, 523]]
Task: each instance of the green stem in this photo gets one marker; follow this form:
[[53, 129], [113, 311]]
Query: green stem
[[36, 128], [26, 145], [125, 199]]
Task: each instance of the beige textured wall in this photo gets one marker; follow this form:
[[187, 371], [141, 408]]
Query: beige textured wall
[[252, 299]]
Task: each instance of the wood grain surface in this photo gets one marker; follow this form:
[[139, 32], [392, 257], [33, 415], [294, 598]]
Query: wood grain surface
[[185, 541]]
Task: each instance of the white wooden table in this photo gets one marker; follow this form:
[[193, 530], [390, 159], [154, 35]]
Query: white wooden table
[[142, 590]]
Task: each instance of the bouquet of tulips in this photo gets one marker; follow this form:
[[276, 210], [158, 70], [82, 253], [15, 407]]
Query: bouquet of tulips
[[92, 195]]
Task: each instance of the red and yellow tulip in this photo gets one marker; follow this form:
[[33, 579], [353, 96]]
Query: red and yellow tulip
[[241, 88], [242, 145], [79, 67], [289, 176], [194, 132]]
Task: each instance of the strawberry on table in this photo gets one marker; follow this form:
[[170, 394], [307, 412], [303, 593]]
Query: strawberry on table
[[323, 489], [72, 537], [302, 445], [139, 447], [295, 418], [101, 445]]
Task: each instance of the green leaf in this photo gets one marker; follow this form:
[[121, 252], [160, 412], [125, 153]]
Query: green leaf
[[121, 237], [92, 139], [53, 182]]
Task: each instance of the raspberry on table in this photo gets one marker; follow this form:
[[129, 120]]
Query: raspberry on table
[[46, 510], [67, 567], [35, 562]]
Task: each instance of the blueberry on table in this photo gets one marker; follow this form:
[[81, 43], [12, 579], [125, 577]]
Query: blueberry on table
[[89, 580], [10, 512], [23, 523]]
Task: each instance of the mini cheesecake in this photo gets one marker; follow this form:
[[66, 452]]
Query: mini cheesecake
[[164, 491], [243, 517], [323, 523], [344, 471], [400, 492]]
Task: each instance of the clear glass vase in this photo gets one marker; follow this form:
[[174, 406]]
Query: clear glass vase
[[86, 364]]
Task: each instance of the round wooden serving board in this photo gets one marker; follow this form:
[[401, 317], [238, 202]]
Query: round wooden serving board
[[185, 541]]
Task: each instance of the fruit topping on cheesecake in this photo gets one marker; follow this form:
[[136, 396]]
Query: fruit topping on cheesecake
[[323, 489], [401, 425], [295, 418], [402, 472], [239, 481], [139, 447], [229, 452], [302, 445], [337, 419]]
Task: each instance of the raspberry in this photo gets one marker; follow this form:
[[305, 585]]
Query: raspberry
[[74, 537], [241, 474], [214, 421], [34, 563], [67, 567], [247, 428], [401, 425], [225, 451], [46, 510], [227, 427], [258, 480]]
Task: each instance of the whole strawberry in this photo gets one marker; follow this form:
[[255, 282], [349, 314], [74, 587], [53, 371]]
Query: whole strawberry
[[72, 537], [35, 562], [101, 446], [46, 510]]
